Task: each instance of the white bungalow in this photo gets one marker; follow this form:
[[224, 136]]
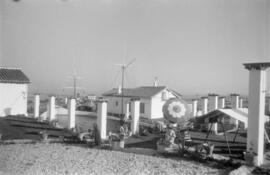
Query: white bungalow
[[13, 92], [152, 99]]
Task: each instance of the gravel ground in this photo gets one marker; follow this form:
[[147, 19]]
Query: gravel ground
[[52, 159]]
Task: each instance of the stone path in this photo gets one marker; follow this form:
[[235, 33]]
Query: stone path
[[56, 158]]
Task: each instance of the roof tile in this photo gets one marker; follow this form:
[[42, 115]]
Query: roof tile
[[13, 76]]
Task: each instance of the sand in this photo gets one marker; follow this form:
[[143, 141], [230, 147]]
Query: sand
[[55, 158]]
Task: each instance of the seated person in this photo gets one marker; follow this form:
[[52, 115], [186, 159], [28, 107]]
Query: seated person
[[85, 135], [170, 136]]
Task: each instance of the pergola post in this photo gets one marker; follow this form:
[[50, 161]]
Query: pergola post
[[37, 104], [72, 113], [52, 108], [194, 107], [221, 102], [102, 118], [213, 105], [256, 106], [135, 114], [204, 101]]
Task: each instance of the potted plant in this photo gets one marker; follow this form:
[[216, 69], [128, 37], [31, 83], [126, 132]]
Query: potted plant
[[117, 141], [249, 156], [44, 135]]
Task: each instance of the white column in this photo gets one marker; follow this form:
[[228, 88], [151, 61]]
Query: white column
[[71, 113], [37, 103], [213, 105], [194, 107], [66, 101], [256, 105], [241, 103], [234, 101], [204, 105], [235, 105], [213, 102], [222, 102], [102, 118], [127, 111], [52, 108], [135, 114]]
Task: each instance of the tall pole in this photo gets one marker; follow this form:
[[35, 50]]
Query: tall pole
[[74, 88], [122, 99], [123, 67]]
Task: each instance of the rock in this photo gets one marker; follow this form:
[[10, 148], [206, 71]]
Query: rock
[[243, 170]]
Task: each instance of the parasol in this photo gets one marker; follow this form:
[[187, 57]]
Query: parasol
[[176, 110]]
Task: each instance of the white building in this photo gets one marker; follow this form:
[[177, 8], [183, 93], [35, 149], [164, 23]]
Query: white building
[[13, 92], [152, 99]]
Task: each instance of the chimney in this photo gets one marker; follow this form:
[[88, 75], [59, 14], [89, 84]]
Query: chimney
[[222, 102], [256, 107], [234, 101], [194, 107], [119, 89], [204, 103], [156, 82], [213, 102]]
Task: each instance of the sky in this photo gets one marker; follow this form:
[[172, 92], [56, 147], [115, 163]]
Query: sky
[[192, 46]]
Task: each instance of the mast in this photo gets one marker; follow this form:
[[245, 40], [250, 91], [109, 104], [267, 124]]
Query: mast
[[122, 91], [75, 78], [74, 87], [123, 68]]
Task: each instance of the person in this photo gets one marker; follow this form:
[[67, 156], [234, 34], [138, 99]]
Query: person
[[126, 131], [122, 132], [110, 138], [97, 135], [170, 136]]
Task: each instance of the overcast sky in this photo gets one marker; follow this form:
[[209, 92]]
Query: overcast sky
[[192, 46]]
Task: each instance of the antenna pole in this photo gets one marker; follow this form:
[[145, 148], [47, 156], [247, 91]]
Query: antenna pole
[[124, 67], [74, 88], [122, 99]]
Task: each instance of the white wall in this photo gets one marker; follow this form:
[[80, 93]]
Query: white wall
[[153, 106], [147, 108], [112, 108], [116, 109], [157, 103], [13, 99]]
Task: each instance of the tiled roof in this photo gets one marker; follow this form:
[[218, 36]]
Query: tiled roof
[[139, 92], [13, 76]]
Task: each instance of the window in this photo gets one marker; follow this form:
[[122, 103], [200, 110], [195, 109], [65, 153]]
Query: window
[[164, 96], [116, 103], [142, 108]]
